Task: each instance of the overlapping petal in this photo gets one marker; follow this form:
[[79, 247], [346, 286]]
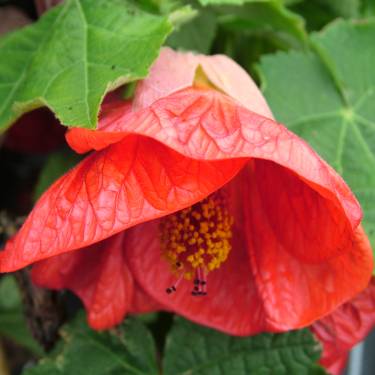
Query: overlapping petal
[[132, 181], [281, 285], [199, 137], [232, 304], [301, 256], [207, 125], [174, 71], [98, 275], [345, 327], [297, 246]]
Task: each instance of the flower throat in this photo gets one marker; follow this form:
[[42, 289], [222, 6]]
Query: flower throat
[[196, 241]]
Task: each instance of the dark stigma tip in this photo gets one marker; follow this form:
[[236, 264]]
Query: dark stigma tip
[[168, 290], [196, 282]]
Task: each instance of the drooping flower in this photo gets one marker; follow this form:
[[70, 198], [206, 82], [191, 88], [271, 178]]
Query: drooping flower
[[196, 199], [345, 327]]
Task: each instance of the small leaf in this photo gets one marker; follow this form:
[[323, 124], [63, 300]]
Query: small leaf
[[261, 16], [327, 97], [193, 350], [73, 55], [129, 349]]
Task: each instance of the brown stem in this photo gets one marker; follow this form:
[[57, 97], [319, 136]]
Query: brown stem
[[43, 310], [42, 307]]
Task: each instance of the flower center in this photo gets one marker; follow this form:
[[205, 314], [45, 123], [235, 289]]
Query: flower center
[[196, 240]]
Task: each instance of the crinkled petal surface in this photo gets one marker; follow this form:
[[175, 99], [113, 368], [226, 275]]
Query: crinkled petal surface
[[302, 271], [302, 244], [100, 276], [132, 181], [172, 155], [345, 327], [173, 71], [207, 125], [278, 287]]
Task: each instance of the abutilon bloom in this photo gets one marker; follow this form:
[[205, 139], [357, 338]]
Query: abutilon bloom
[[196, 201]]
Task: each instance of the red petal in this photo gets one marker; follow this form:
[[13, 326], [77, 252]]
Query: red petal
[[234, 81], [139, 179], [207, 125], [113, 109], [98, 275], [171, 72], [232, 304], [143, 302], [345, 327], [281, 285], [303, 255], [135, 180], [174, 71]]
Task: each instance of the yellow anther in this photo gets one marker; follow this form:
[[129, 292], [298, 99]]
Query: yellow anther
[[197, 236]]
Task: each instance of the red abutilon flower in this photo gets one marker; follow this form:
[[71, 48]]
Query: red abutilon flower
[[196, 201], [349, 324]]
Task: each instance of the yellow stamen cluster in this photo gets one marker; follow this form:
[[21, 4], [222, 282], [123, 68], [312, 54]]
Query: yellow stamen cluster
[[198, 236]]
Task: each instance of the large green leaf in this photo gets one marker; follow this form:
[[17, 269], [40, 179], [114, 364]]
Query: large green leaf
[[195, 350], [73, 55], [327, 97], [269, 17], [12, 321], [129, 349]]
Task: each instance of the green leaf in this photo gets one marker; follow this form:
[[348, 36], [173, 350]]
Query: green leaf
[[129, 349], [56, 165], [12, 320], [195, 350], [327, 97], [224, 2], [368, 8], [73, 55], [291, 2], [261, 16], [315, 14], [196, 35], [343, 8]]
